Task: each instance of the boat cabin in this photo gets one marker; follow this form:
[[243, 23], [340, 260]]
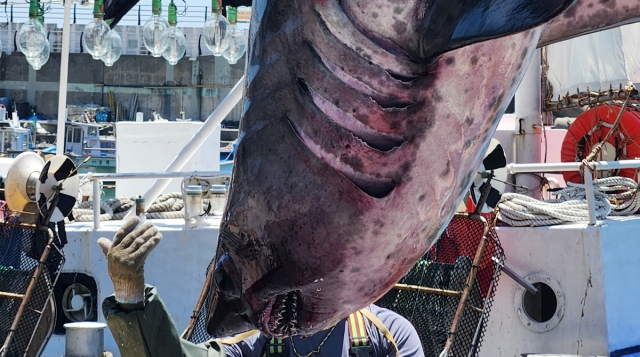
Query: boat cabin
[[14, 138], [84, 139]]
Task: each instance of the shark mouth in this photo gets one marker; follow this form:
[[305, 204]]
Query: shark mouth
[[281, 317]]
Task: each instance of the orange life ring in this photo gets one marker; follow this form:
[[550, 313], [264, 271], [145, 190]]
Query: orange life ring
[[591, 127]]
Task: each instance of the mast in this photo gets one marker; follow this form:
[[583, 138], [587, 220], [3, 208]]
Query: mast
[[64, 75]]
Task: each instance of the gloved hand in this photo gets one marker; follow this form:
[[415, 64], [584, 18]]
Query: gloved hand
[[126, 255]]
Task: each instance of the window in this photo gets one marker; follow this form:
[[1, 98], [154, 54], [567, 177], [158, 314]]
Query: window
[[93, 131], [77, 135]]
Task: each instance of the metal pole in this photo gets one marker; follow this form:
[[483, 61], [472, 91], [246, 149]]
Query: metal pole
[[528, 113], [218, 115], [159, 175], [96, 204], [457, 318], [517, 278], [573, 166], [591, 205], [64, 69]]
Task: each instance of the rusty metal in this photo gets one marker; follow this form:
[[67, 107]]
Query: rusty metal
[[11, 296], [590, 98], [467, 289], [53, 284], [426, 290], [24, 225]]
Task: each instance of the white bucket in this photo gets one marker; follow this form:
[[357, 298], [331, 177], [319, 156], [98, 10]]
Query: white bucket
[[84, 339], [139, 117]]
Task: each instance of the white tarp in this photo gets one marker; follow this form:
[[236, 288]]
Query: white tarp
[[596, 61]]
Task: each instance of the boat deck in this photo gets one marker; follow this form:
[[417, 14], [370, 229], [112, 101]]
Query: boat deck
[[595, 266]]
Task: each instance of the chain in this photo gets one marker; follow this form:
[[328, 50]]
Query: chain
[[319, 346]]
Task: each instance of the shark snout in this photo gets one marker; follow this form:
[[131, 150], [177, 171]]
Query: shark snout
[[229, 313]]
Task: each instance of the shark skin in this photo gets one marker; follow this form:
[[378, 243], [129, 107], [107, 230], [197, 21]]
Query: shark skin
[[588, 16], [363, 124]]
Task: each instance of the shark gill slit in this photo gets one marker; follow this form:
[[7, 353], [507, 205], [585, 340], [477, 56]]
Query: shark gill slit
[[385, 44], [373, 185], [401, 68], [377, 187], [380, 141], [382, 100]]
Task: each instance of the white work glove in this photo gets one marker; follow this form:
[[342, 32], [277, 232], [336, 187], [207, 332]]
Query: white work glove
[[126, 255]]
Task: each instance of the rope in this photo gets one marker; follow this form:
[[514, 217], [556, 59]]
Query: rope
[[597, 148], [167, 206], [615, 196]]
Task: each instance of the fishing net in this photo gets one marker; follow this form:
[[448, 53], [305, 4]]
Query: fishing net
[[445, 266], [21, 248], [199, 334]]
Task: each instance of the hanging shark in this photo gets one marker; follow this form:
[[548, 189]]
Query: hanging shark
[[364, 122]]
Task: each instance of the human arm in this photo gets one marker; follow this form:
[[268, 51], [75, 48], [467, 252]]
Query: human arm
[[149, 331], [136, 316]]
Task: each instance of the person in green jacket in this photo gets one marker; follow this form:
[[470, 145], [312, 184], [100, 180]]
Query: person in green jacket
[[142, 327]]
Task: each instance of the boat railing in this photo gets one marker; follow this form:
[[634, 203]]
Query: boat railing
[[512, 168], [98, 149], [577, 166], [97, 178]]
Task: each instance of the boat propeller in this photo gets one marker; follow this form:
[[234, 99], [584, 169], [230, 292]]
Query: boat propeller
[[49, 189], [58, 175], [489, 184]]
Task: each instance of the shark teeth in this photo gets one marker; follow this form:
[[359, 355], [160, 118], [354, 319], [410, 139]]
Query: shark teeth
[[284, 317]]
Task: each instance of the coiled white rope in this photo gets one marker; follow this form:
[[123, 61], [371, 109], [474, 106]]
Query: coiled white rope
[[167, 206], [615, 196]]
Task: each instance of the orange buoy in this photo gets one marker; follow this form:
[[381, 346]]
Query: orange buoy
[[591, 127]]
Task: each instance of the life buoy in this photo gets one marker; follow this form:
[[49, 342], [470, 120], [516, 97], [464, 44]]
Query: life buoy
[[591, 127]]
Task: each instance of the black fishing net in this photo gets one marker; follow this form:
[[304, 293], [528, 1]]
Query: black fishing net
[[445, 266], [20, 250], [199, 334]]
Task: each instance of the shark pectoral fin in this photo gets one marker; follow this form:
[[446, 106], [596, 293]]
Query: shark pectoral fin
[[586, 16], [449, 25]]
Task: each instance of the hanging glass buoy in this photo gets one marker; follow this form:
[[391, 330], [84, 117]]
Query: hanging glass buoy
[[41, 58], [177, 44], [215, 30], [155, 32], [237, 41], [95, 37], [115, 50], [31, 35]]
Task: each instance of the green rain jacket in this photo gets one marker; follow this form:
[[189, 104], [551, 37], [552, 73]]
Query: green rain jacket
[[150, 332]]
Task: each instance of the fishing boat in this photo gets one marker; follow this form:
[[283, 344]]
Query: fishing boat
[[584, 273]]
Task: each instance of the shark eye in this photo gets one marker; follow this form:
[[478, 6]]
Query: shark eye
[[223, 277]]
